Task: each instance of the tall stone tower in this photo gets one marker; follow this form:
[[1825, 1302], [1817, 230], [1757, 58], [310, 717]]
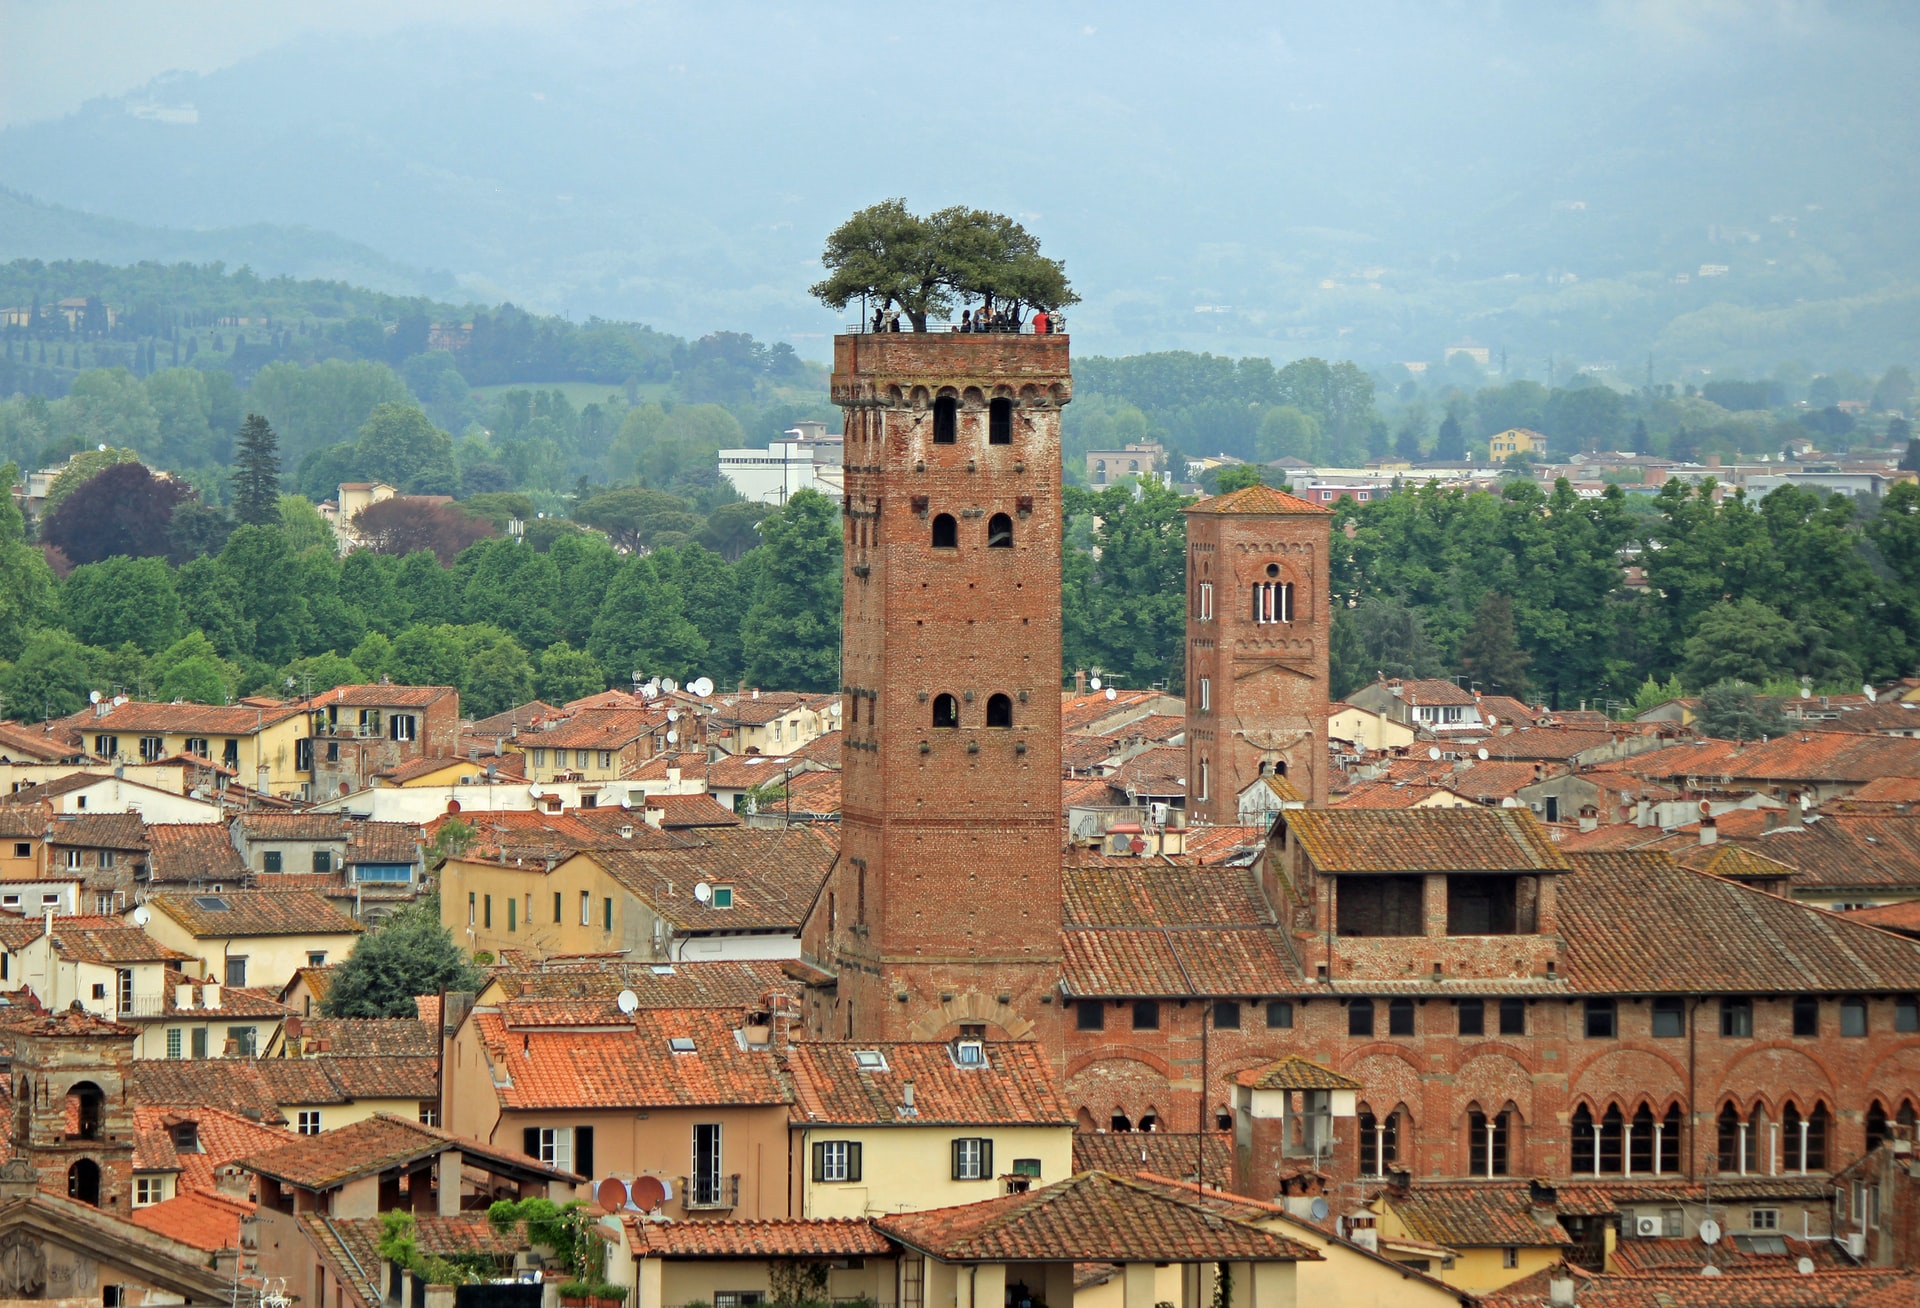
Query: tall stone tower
[[72, 1117], [943, 911], [1258, 633]]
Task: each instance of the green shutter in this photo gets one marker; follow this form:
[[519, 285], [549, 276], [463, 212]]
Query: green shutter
[[986, 1159], [853, 1160], [819, 1160]]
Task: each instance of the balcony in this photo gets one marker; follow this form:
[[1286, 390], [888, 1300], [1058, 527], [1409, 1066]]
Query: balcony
[[710, 1193]]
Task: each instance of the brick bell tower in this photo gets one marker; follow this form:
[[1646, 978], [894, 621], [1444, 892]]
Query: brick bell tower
[[943, 910], [1258, 633]]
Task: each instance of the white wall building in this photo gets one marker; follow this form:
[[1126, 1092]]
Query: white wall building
[[809, 460]]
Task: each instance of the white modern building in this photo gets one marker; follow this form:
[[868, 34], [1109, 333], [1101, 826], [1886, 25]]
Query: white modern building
[[809, 459]]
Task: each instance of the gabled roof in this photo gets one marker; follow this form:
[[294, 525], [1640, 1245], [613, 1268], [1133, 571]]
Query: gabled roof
[[1136, 928], [379, 695], [1164, 1153], [585, 992], [182, 719], [118, 831], [775, 874], [1256, 499], [20, 743], [745, 771], [192, 851], [1853, 1287], [521, 715], [254, 913], [367, 1037], [1476, 1214], [197, 1218], [295, 826], [634, 1067], [222, 1137], [1015, 1087], [834, 1237], [374, 1144], [1296, 1073], [108, 942], [1092, 1217], [597, 729], [1471, 839], [678, 812]]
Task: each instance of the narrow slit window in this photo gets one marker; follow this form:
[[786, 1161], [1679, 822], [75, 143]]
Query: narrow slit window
[[1000, 532], [1000, 422], [946, 415]]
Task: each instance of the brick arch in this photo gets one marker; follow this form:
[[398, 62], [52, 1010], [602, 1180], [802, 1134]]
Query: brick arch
[[972, 397], [919, 397], [1126, 1084], [969, 1007], [1119, 1054], [1781, 1067], [1505, 1048], [1029, 393], [1899, 1067], [1387, 1075], [1495, 1078], [1626, 1075]]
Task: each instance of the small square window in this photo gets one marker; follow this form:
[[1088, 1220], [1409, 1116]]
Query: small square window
[[1090, 1015], [1509, 1257], [1736, 1017], [309, 1121], [1853, 1016], [270, 861], [1279, 1014], [1473, 1017], [1764, 1219], [1513, 1017], [22, 849], [1669, 1018], [1906, 1013], [323, 860], [1601, 1023], [1226, 1015], [681, 1044], [1360, 1017], [723, 896], [316, 958], [1146, 1015]]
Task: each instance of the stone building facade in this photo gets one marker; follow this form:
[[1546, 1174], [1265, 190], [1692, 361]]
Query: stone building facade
[[943, 911], [72, 1114]]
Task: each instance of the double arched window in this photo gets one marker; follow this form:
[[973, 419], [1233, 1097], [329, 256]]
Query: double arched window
[[946, 532], [946, 710]]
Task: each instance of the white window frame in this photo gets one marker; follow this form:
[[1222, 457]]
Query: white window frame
[[152, 748], [1206, 601], [149, 1190], [1206, 694], [556, 1147], [403, 727], [836, 1160], [969, 1160], [73, 858], [309, 1121], [1763, 1219], [586, 908]]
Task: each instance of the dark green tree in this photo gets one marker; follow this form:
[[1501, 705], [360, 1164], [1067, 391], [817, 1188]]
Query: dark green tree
[[1125, 611], [26, 582], [1237, 476], [567, 674], [256, 473], [498, 678], [1740, 640], [408, 955], [643, 627], [50, 679], [790, 636], [1450, 446], [1734, 710], [265, 586], [122, 599], [1490, 652]]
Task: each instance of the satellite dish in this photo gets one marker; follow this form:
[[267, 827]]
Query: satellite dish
[[1319, 1210], [1112, 693], [535, 790], [834, 710], [1872, 696], [102, 447], [611, 1194], [1481, 753], [673, 715], [1804, 1267], [703, 892], [649, 1192], [1433, 753], [1709, 1232], [1706, 808], [629, 1003], [93, 697], [701, 686], [142, 915], [673, 737], [1095, 683], [1806, 692], [1709, 1270], [669, 685]]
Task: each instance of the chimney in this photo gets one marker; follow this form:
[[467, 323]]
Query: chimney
[[1400, 1181], [906, 1100], [756, 692], [454, 1010], [210, 996], [1560, 1289], [231, 1180], [1642, 814], [1079, 682], [1796, 811], [1709, 831]]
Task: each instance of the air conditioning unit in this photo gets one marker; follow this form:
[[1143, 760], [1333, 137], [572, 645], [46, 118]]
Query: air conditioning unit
[[1650, 1227], [1856, 1244]]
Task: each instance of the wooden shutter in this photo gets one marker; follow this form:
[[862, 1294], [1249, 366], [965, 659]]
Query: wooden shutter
[[853, 1160], [957, 1175], [530, 1142], [583, 1151], [819, 1160], [986, 1159]]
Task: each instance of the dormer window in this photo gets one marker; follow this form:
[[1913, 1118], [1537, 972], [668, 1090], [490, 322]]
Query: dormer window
[[869, 1060], [969, 1053], [186, 1137], [681, 1044]]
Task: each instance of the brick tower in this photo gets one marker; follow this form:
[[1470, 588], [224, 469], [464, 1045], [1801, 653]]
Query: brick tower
[[72, 1117], [1258, 633], [943, 911]]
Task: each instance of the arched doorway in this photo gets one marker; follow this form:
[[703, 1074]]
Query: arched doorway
[[83, 1182]]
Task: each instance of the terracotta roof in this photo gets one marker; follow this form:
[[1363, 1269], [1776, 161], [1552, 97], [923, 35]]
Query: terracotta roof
[[121, 831], [199, 1219], [1096, 793], [1427, 840], [192, 851], [754, 711], [295, 826], [1079, 753], [1141, 928], [1735, 862], [1491, 781], [186, 1084], [20, 742], [72, 1020], [1082, 712], [178, 719], [433, 1235], [634, 1068], [1476, 1214], [680, 811], [1431, 691], [1879, 850], [816, 793], [1889, 790], [745, 771], [108, 942], [1803, 756], [1092, 1217], [383, 696], [1903, 917], [1256, 499], [775, 875], [1219, 845], [359, 1037], [24, 820], [1690, 932], [1158, 771], [1296, 1073], [221, 1137], [1164, 1153], [1555, 743], [373, 1144], [1381, 796], [537, 836], [1136, 892], [254, 913], [585, 992], [1857, 1287], [596, 729], [1734, 1256], [1016, 1087], [1509, 711], [823, 749], [840, 1237], [384, 842], [523, 716], [691, 763]]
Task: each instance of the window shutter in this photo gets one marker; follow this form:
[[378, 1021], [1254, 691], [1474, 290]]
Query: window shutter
[[530, 1142], [583, 1151], [986, 1159], [956, 1160], [819, 1160], [853, 1161]]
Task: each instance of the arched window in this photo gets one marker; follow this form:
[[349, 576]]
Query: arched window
[[999, 711], [1000, 422], [1670, 1142], [1611, 1137], [1732, 1131], [1487, 1144], [1876, 1125], [83, 1182], [946, 420], [1580, 1142], [946, 711], [1099, 472], [1000, 532], [1804, 1139], [1272, 602], [85, 1105], [1120, 1122], [946, 532], [1640, 1153], [1149, 1121], [1379, 1142]]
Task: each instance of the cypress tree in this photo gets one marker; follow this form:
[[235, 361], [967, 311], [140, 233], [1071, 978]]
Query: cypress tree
[[256, 474]]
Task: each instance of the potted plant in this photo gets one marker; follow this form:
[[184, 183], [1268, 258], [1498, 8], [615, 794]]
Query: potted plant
[[608, 1296], [575, 1294]]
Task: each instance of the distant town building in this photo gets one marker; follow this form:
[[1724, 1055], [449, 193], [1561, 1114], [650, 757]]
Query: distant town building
[[809, 459], [1514, 440], [1105, 467]]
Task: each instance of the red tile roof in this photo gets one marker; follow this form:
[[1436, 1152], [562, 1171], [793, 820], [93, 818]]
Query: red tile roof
[[254, 913], [201, 1220], [363, 1037], [1379, 796], [1158, 771], [1858, 1287], [1092, 1217], [1295, 1073], [108, 942], [1903, 917], [585, 992], [332, 1158], [1425, 840], [1476, 1214], [681, 811], [383, 696], [222, 1137], [192, 851], [634, 1068], [1163, 1153], [1256, 499], [1016, 1087], [193, 719], [840, 1237], [597, 729], [119, 831], [775, 875]]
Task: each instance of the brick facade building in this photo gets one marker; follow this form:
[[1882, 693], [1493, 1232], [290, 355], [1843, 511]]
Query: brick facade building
[[943, 910], [1258, 634]]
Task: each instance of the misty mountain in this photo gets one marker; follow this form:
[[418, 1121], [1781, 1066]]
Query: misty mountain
[[1719, 185]]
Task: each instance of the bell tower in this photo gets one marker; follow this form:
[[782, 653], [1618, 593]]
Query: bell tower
[[72, 1117], [1259, 632], [943, 911]]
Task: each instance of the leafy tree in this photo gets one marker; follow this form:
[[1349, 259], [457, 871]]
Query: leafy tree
[[1450, 446], [196, 531], [108, 406], [50, 679], [82, 468], [791, 631], [1236, 476], [643, 627], [270, 605], [1490, 652], [632, 516], [1380, 637], [1734, 710], [1289, 432], [1125, 610], [1652, 694], [373, 654], [26, 582], [567, 674], [191, 669], [1899, 431], [325, 404], [733, 529], [256, 473], [400, 445], [122, 599], [403, 525], [425, 656], [302, 524], [500, 508], [319, 672], [1740, 640], [1588, 418], [124, 670], [409, 954], [124, 509], [497, 679]]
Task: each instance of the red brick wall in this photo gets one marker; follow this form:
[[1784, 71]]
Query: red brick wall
[[1269, 689], [947, 890]]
